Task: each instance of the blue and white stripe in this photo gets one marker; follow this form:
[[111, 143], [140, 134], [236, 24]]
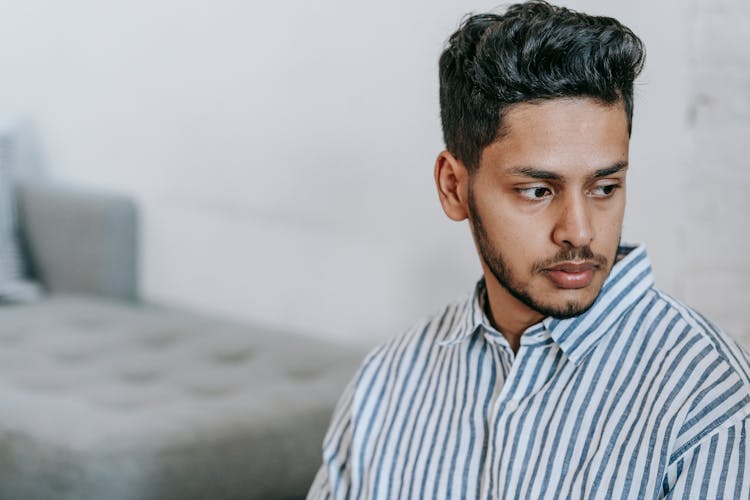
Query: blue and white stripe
[[639, 397]]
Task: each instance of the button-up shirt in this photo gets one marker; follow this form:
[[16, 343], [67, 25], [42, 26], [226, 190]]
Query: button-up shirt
[[638, 397]]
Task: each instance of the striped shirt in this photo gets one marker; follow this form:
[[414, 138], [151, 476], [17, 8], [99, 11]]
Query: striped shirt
[[638, 397]]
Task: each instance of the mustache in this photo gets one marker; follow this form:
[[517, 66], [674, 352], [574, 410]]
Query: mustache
[[572, 254]]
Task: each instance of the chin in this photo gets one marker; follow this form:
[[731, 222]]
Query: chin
[[573, 302], [571, 310]]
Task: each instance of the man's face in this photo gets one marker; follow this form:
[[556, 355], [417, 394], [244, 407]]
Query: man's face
[[546, 205]]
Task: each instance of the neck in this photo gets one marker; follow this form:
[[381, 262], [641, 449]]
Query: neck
[[507, 314]]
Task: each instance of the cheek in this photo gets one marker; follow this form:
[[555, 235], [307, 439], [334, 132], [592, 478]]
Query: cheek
[[512, 227], [518, 234], [608, 224]]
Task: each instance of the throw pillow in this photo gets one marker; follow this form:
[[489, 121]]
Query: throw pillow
[[13, 286]]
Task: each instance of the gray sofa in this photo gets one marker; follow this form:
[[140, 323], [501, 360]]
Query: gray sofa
[[105, 397]]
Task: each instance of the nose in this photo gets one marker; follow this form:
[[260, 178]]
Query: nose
[[573, 226]]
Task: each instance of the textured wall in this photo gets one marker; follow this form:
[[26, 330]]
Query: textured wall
[[282, 152], [717, 233]]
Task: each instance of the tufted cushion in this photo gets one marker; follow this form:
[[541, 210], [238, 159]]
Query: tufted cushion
[[103, 400]]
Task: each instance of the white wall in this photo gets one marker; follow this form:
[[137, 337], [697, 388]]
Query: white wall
[[718, 234], [282, 152]]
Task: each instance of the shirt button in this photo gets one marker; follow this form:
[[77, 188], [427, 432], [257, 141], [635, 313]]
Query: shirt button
[[512, 405]]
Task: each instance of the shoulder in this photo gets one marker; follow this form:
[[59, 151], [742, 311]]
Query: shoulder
[[714, 343], [687, 342], [715, 369], [391, 360]]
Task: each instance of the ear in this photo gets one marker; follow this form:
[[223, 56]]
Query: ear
[[452, 181]]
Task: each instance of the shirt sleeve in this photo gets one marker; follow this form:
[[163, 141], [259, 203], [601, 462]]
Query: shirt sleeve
[[716, 468], [334, 478], [319, 489]]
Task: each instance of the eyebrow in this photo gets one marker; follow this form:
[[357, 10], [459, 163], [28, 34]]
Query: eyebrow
[[537, 173], [605, 172]]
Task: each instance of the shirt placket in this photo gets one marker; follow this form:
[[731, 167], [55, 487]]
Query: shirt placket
[[508, 398], [503, 359]]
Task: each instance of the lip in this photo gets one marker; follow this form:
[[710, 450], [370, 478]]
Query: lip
[[571, 275]]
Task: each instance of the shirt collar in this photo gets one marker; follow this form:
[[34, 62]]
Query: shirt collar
[[628, 280]]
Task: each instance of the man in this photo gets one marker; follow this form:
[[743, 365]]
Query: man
[[566, 374]]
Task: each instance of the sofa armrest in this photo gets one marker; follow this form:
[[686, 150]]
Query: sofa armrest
[[80, 242]]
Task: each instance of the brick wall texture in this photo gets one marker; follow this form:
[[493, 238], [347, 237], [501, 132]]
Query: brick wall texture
[[717, 240]]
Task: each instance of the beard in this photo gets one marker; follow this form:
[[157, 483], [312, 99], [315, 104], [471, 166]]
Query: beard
[[497, 265]]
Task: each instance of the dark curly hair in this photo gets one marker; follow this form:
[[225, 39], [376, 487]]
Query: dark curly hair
[[534, 51]]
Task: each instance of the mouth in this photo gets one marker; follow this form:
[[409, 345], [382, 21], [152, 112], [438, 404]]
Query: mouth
[[571, 275]]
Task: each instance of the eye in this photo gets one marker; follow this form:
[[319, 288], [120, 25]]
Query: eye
[[535, 193], [604, 190]]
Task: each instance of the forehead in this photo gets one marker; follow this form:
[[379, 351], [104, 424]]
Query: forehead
[[566, 135]]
